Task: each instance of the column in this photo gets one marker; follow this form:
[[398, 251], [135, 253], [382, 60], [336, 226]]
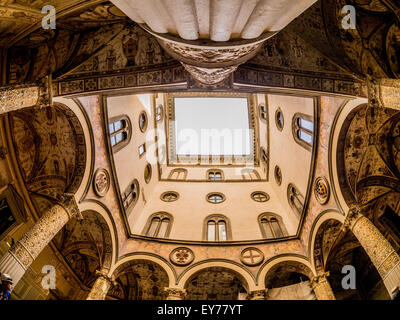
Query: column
[[322, 287], [25, 251], [384, 93], [379, 250], [16, 97], [175, 293], [258, 295], [101, 286]]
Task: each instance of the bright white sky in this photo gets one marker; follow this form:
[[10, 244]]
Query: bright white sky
[[212, 126]]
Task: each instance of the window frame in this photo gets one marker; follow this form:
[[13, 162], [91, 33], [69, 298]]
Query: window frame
[[146, 123], [127, 130], [124, 197], [149, 169], [178, 171], [277, 123], [296, 129], [253, 194], [161, 216], [215, 171], [268, 216], [216, 218], [297, 194], [169, 192], [219, 194]]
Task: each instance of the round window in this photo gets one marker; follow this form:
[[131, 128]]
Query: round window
[[215, 198], [143, 121], [260, 196], [279, 120], [169, 196]]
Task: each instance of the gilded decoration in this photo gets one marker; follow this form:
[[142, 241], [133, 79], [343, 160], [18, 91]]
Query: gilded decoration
[[322, 190]]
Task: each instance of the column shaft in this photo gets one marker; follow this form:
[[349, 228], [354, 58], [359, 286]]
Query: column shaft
[[100, 288], [322, 287], [25, 251]]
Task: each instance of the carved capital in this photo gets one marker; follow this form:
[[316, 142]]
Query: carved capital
[[68, 202], [102, 274], [258, 295], [45, 92], [175, 293], [352, 216], [383, 93], [319, 279]]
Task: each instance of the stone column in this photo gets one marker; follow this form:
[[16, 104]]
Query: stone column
[[380, 251], [322, 287], [17, 97], [175, 293], [258, 295], [16, 261], [101, 286]]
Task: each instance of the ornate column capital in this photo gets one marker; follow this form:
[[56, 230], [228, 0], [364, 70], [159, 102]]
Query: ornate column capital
[[102, 274], [319, 279], [175, 293], [68, 202], [352, 217], [383, 93], [258, 295]]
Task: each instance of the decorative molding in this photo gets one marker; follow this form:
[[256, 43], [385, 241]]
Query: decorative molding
[[251, 257], [322, 190], [181, 256], [101, 182]]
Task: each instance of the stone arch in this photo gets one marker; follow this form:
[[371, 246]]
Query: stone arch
[[299, 263], [325, 229], [50, 149], [141, 276], [86, 246], [142, 256], [243, 274]]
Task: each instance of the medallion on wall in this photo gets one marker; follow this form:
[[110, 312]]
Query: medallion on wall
[[181, 256], [251, 257], [101, 182], [321, 190]]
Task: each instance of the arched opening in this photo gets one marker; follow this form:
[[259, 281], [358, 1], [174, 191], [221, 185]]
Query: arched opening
[[289, 280], [216, 283], [139, 280]]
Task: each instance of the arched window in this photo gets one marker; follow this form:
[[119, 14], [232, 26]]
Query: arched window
[[263, 112], [178, 174], [215, 175], [271, 226], [303, 130], [216, 228], [295, 198], [120, 132], [250, 174], [159, 112], [158, 225], [131, 195], [264, 155]]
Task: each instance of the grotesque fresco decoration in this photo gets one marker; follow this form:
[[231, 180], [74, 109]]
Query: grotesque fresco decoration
[[133, 47], [50, 148], [139, 280], [86, 246], [214, 284], [181, 256]]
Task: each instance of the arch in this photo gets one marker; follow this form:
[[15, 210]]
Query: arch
[[137, 256], [76, 107], [100, 209], [181, 174], [244, 274], [285, 258], [337, 125], [50, 147], [314, 243]]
